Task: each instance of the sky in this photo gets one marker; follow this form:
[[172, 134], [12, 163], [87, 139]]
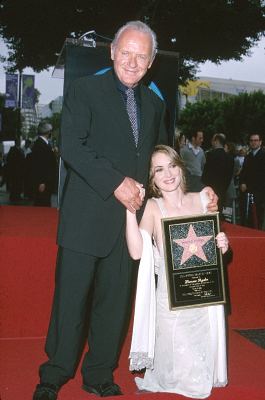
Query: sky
[[251, 68]]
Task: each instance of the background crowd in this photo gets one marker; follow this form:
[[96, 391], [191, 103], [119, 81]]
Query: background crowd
[[241, 191], [30, 172], [236, 172]]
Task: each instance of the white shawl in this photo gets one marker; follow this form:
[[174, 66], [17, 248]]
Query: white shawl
[[143, 336]]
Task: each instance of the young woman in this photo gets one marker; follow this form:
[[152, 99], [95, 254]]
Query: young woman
[[187, 354]]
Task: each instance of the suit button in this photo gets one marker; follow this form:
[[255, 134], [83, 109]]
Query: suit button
[[137, 154]]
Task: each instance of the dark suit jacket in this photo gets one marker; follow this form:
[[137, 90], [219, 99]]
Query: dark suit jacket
[[218, 171], [253, 173], [97, 145], [44, 165]]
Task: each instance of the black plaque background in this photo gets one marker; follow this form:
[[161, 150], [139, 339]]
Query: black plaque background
[[196, 282]]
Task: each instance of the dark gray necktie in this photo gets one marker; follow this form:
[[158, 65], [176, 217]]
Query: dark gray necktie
[[132, 113]]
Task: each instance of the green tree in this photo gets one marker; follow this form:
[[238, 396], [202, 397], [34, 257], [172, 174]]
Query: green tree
[[37, 94], [33, 132], [55, 121], [199, 30], [206, 115], [244, 114], [236, 117]]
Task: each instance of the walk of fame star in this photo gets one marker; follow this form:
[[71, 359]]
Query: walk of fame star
[[192, 245]]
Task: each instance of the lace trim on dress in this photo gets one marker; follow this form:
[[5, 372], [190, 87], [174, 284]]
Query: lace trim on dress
[[220, 384], [140, 361]]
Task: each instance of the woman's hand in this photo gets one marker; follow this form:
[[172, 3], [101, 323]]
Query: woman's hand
[[142, 191], [222, 242]]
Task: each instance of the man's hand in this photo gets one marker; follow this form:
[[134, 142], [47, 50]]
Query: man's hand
[[128, 193], [213, 199]]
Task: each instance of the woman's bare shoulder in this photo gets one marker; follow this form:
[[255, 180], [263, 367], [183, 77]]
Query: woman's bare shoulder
[[151, 202], [152, 206]]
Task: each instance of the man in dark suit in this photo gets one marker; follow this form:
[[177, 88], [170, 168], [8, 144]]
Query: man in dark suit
[[105, 169], [252, 183], [15, 166], [43, 167], [106, 141], [218, 169]]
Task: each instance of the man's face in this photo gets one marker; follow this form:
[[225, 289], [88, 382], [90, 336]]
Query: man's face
[[213, 141], [198, 139], [132, 56], [254, 142]]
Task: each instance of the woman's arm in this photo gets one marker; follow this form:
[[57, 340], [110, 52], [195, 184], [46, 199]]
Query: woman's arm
[[133, 234]]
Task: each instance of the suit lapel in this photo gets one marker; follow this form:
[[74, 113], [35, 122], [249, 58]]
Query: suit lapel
[[147, 115]]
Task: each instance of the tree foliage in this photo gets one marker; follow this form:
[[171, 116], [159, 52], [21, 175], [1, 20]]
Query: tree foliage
[[55, 121], [236, 117], [199, 30]]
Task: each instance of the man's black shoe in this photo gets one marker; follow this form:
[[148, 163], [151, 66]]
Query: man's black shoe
[[104, 389], [46, 391]]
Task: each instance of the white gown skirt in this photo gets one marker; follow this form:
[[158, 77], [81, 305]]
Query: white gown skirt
[[190, 349]]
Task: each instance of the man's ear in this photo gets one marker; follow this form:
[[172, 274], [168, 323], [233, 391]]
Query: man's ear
[[112, 52], [150, 65], [152, 59]]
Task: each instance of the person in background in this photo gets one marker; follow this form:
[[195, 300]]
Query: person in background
[[15, 165], [27, 147], [44, 167], [180, 141], [3, 172], [240, 156], [232, 196], [218, 169], [189, 345], [194, 159], [28, 184], [252, 183]]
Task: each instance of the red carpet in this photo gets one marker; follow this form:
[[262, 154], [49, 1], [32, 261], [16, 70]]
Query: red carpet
[[27, 260]]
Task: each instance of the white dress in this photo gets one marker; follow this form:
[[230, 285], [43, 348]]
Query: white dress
[[190, 346]]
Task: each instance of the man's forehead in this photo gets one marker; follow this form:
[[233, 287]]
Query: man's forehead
[[133, 35]]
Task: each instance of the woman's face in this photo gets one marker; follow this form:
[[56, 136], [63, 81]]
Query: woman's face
[[167, 175]]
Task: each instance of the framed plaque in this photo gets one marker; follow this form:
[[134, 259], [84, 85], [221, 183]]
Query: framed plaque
[[193, 262]]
